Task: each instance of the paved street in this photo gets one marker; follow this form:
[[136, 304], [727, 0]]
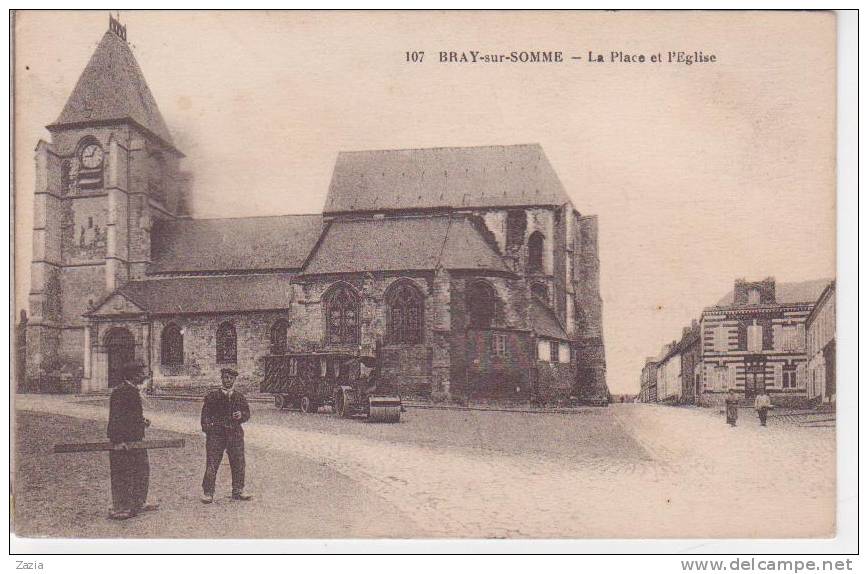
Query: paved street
[[619, 472]]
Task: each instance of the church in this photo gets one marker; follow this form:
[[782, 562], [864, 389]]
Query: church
[[469, 266]]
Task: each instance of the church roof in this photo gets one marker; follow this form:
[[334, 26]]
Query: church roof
[[450, 177], [404, 244], [213, 294], [242, 243], [789, 293], [544, 322], [113, 88]]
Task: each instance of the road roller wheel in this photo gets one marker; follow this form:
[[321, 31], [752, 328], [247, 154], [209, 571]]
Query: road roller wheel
[[280, 401], [306, 405], [341, 406], [384, 410]]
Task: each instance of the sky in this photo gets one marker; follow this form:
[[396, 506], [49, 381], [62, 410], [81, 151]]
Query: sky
[[698, 174]]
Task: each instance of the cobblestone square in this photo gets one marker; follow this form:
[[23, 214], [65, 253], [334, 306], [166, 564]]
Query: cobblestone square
[[627, 471]]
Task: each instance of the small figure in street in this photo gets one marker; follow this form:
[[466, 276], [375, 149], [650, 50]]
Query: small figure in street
[[731, 407], [762, 404], [130, 471], [223, 413]]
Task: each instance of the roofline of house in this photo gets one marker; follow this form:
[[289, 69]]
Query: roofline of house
[[824, 296], [763, 307]]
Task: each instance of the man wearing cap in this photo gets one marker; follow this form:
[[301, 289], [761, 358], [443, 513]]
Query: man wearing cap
[[223, 413], [129, 467]]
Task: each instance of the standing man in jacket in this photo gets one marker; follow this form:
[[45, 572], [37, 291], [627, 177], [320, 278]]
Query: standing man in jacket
[[223, 413], [762, 404], [130, 470]]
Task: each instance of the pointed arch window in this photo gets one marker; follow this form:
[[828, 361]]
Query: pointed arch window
[[227, 343], [278, 336], [172, 345], [406, 312], [535, 245], [342, 316], [481, 305]]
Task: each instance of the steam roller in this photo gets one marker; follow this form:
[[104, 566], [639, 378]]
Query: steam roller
[[385, 409], [352, 401]]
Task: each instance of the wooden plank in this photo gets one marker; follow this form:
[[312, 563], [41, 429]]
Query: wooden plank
[[98, 446]]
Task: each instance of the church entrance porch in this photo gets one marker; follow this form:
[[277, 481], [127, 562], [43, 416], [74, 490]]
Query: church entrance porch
[[120, 349]]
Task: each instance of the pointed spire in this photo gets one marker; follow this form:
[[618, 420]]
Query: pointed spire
[[112, 88]]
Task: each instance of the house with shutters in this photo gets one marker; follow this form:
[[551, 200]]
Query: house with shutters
[[754, 340], [471, 265]]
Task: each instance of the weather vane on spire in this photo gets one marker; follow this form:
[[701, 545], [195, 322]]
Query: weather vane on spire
[[115, 26]]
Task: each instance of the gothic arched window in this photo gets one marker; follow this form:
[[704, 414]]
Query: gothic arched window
[[227, 343], [480, 305], [342, 316], [406, 313], [541, 292], [171, 345], [278, 337], [535, 244]]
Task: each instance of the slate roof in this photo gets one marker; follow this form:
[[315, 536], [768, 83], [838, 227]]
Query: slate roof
[[544, 321], [243, 243], [788, 293], [211, 294], [488, 176], [112, 87], [404, 244]]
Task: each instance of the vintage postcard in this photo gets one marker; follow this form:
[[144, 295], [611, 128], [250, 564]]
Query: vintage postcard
[[424, 275]]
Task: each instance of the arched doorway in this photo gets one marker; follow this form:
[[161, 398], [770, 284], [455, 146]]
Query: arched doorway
[[120, 349]]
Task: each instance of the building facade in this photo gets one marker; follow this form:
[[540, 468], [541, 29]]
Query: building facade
[[820, 326], [470, 265], [690, 351], [669, 374], [648, 383], [753, 340]]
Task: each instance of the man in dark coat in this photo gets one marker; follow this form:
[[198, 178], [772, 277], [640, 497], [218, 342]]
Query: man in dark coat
[[223, 413], [129, 467]]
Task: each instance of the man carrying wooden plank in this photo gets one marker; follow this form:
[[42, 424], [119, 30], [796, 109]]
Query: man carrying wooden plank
[[130, 470]]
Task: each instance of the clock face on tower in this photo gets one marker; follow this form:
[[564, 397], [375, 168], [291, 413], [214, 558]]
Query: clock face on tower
[[91, 156]]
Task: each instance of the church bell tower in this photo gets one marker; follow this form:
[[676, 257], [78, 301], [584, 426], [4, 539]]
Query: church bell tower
[[110, 170]]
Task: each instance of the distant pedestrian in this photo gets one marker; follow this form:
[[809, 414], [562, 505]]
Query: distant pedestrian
[[130, 471], [223, 413], [762, 404], [731, 408]]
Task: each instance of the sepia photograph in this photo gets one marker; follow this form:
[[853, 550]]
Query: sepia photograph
[[403, 275]]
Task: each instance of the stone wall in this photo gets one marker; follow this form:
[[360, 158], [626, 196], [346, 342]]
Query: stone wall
[[200, 367], [555, 381], [415, 369]]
